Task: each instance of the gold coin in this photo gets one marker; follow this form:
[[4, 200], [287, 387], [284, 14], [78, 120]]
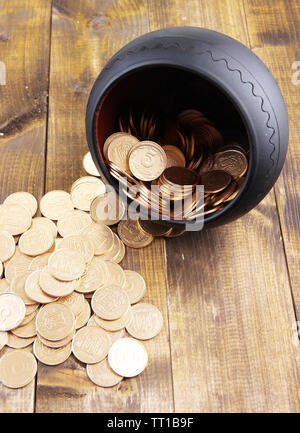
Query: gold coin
[[14, 219], [84, 316], [90, 344], [107, 209], [39, 262], [17, 286], [147, 160], [31, 308], [131, 235], [146, 321], [102, 375], [89, 165], [75, 302], [108, 256], [7, 246], [4, 286], [34, 291], [84, 193], [66, 265], [119, 149], [113, 335], [110, 139], [28, 318], [53, 287], [17, 265], [73, 223], [78, 243], [116, 275], [35, 242], [127, 357], [95, 276], [24, 199], [48, 355], [17, 368], [114, 325], [26, 331], [58, 343], [101, 236], [3, 339], [18, 342], [55, 203], [55, 321], [121, 254], [43, 223], [135, 286], [82, 180], [110, 302]]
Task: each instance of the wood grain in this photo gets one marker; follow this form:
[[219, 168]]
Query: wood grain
[[230, 307], [275, 38], [24, 49], [85, 34]]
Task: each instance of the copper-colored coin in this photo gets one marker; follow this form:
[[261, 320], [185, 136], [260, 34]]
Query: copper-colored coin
[[55, 203], [82, 318], [58, 343], [95, 276], [147, 160], [240, 183], [17, 368], [35, 242], [107, 209], [75, 301], [215, 180], [232, 161], [14, 218], [3, 339], [78, 243], [175, 158], [84, 193], [7, 246], [26, 331], [18, 342], [50, 356], [89, 165], [146, 321], [90, 344], [101, 236], [153, 228], [180, 176], [102, 375], [66, 265], [24, 199], [135, 286], [110, 302], [73, 222], [17, 286], [127, 357], [132, 236], [119, 149], [114, 325], [55, 321], [34, 291]]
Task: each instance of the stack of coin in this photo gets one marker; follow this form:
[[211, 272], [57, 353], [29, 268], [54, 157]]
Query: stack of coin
[[64, 290], [147, 148]]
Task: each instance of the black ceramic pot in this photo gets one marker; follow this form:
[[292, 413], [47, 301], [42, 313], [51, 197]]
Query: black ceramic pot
[[189, 67]]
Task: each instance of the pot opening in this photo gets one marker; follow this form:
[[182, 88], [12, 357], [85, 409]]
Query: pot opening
[[168, 91]]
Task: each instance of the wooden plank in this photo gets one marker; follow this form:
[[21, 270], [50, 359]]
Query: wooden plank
[[230, 308], [275, 38], [84, 36], [24, 50]]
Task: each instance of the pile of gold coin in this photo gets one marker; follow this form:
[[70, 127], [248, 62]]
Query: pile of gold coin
[[176, 155], [63, 290]]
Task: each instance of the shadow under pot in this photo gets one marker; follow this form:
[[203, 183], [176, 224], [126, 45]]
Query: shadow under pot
[[170, 72]]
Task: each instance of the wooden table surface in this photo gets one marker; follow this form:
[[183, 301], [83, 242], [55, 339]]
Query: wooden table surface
[[230, 296]]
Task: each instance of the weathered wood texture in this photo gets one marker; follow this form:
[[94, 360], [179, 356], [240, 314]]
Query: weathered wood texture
[[83, 39], [24, 49], [230, 307]]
